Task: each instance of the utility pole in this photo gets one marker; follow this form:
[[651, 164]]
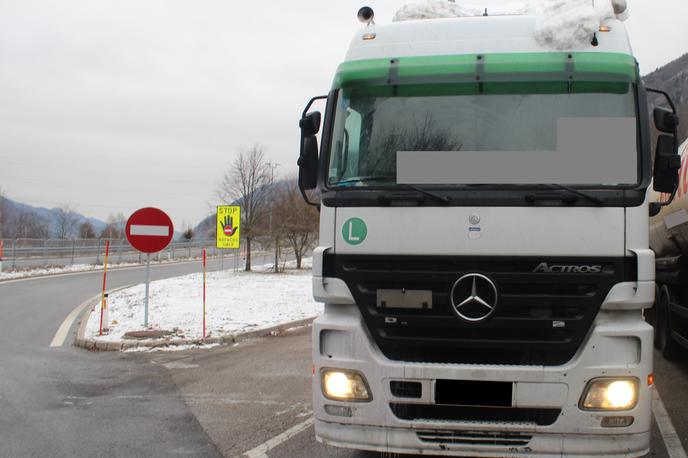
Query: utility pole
[[273, 166], [272, 181]]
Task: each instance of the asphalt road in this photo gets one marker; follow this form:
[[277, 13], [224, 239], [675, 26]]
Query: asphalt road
[[245, 395], [68, 402], [251, 397]]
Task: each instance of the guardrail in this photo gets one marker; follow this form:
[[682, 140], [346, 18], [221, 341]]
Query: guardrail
[[27, 253]]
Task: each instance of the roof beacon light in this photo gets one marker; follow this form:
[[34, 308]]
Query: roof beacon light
[[366, 15]]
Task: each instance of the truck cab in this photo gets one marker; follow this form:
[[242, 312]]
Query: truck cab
[[483, 255]]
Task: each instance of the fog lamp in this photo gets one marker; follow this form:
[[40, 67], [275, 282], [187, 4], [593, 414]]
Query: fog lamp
[[610, 394], [344, 385]]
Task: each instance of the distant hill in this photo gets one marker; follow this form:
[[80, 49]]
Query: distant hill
[[39, 220], [673, 79]]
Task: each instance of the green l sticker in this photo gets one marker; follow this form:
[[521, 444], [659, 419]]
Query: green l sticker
[[354, 231]]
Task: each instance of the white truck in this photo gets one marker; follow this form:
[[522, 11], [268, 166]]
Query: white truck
[[484, 258], [669, 240]]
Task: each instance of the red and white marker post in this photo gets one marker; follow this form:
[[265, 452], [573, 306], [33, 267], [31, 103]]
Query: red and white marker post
[[149, 230], [204, 293], [103, 305]]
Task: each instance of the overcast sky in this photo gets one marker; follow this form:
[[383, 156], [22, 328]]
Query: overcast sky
[[116, 105]]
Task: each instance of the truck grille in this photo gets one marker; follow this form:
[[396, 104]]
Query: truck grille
[[487, 438], [541, 318], [513, 415]]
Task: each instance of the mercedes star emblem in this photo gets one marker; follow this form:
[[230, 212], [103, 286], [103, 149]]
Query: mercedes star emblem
[[474, 297]]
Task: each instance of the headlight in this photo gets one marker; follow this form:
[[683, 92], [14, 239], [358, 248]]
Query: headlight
[[610, 394], [344, 385]]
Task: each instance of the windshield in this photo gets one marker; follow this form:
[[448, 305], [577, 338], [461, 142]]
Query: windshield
[[582, 139]]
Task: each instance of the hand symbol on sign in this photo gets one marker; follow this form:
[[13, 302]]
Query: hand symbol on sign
[[227, 226]]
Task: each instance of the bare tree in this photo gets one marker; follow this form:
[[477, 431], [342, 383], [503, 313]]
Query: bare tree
[[114, 227], [65, 221], [29, 225], [86, 230], [418, 135], [296, 220], [246, 182]]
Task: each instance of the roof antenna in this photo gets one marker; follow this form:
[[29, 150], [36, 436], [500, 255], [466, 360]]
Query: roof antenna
[[594, 41], [485, 13]]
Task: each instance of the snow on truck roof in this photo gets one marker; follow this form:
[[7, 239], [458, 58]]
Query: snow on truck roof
[[477, 35], [473, 51]]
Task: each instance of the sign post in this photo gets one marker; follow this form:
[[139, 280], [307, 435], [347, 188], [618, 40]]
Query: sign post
[[145, 305], [2, 246], [149, 230]]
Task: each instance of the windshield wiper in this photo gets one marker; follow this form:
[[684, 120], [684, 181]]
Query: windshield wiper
[[418, 195], [568, 199], [389, 178], [444, 199], [580, 193], [366, 179]]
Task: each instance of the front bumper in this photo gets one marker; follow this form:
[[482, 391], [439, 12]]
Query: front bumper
[[406, 440], [619, 344]]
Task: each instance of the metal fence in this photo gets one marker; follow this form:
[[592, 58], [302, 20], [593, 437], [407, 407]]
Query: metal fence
[[31, 253]]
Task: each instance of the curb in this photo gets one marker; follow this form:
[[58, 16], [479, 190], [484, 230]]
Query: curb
[[80, 340], [93, 345]]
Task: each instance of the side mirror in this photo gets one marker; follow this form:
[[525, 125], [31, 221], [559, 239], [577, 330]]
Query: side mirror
[[310, 124], [308, 163], [665, 120], [308, 155], [308, 159], [667, 164]]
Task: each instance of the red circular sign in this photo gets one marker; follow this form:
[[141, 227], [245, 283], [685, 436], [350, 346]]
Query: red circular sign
[[149, 230]]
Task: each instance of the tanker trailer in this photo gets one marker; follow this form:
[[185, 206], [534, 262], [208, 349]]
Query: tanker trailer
[[669, 241]]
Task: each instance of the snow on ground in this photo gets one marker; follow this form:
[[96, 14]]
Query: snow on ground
[[235, 302], [560, 24], [11, 275], [172, 348], [56, 270]]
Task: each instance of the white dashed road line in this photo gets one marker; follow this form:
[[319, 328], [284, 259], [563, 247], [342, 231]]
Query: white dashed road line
[[262, 449], [671, 440]]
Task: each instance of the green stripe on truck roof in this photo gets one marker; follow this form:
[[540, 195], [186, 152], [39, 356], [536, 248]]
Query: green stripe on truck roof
[[502, 67]]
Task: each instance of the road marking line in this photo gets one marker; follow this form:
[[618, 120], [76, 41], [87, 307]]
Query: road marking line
[[63, 330], [262, 449], [666, 428]]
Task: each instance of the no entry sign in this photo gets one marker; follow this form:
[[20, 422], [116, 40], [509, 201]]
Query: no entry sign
[[149, 230]]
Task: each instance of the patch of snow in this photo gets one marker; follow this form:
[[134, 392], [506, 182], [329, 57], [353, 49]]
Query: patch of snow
[[14, 274], [437, 9], [433, 9], [235, 302], [560, 24], [173, 348], [565, 24], [56, 270]]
